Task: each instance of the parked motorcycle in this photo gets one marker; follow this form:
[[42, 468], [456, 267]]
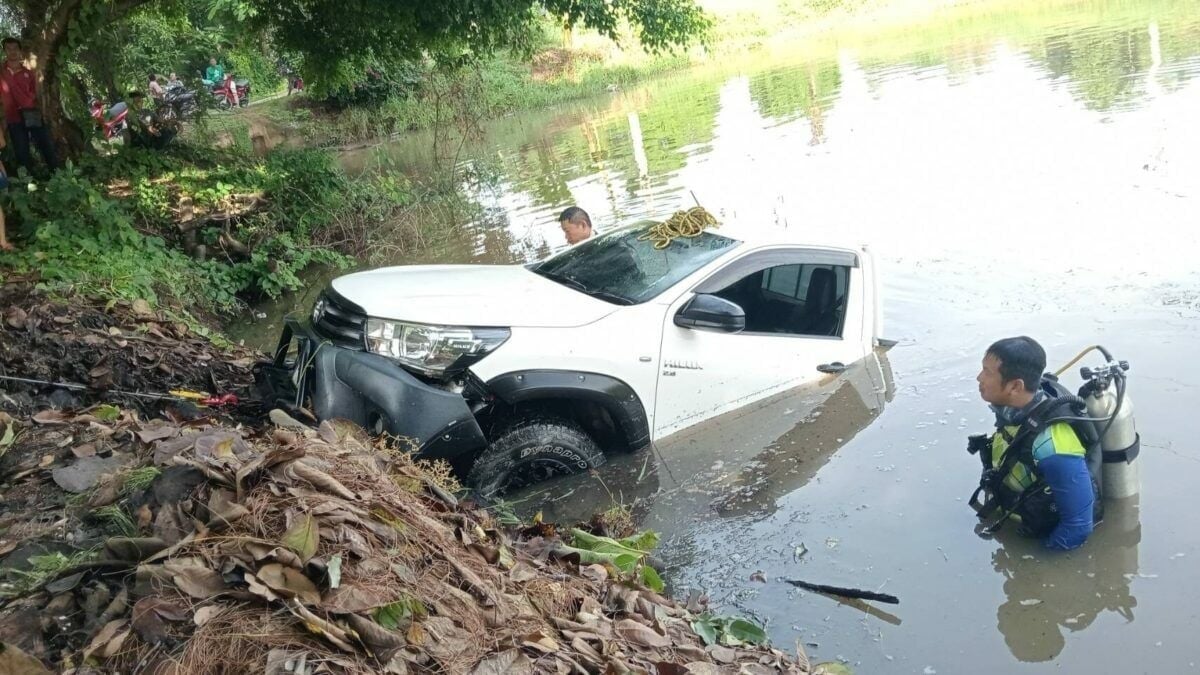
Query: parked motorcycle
[[111, 122], [223, 92], [178, 103]]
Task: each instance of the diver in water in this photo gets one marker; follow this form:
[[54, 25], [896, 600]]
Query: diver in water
[[1034, 466]]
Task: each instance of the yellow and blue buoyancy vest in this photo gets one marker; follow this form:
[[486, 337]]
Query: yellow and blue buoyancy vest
[[1056, 438]]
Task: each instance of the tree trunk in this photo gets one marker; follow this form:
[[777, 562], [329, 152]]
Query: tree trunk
[[44, 47]]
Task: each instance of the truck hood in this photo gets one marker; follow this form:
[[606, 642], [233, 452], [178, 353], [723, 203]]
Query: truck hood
[[470, 295]]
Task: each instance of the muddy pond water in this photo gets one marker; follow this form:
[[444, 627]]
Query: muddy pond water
[[1018, 168]]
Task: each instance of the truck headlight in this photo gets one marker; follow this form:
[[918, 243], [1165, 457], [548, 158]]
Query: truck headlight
[[432, 350]]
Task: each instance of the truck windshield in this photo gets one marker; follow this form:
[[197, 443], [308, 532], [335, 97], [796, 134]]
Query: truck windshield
[[625, 269]]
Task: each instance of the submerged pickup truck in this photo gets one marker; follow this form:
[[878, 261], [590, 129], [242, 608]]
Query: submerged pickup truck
[[515, 373]]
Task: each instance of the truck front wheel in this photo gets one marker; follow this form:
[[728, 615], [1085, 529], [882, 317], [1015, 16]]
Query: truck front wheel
[[530, 452]]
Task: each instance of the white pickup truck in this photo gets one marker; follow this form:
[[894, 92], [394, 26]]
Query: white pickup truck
[[515, 373]]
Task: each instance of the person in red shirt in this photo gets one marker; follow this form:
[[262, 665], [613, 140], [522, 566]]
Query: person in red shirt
[[18, 93]]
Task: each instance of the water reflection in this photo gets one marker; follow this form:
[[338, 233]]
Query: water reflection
[[1048, 596], [736, 465]]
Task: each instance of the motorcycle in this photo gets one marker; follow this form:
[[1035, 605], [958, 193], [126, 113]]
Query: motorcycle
[[111, 122], [224, 92], [178, 102]]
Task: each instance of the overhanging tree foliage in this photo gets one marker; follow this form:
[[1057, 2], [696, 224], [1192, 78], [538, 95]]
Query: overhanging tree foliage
[[338, 37]]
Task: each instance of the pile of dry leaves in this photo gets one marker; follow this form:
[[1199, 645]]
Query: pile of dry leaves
[[109, 349], [294, 550]]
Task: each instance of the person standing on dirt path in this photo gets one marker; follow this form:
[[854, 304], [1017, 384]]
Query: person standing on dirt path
[[1034, 465], [18, 93], [576, 225]]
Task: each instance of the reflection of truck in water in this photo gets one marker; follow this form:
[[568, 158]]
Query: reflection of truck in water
[[738, 464], [517, 373]]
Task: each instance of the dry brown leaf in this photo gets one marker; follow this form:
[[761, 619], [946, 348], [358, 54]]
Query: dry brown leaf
[[193, 577], [383, 643], [222, 510], [85, 450], [264, 551], [321, 480], [142, 310], [157, 432], [504, 663], [51, 417], [703, 668], [541, 642], [802, 656], [13, 661], [206, 614], [348, 598], [150, 616], [258, 588], [721, 654], [108, 640], [289, 582], [640, 635], [16, 317], [144, 517]]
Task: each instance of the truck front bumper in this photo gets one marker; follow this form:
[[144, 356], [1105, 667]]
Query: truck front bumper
[[367, 389]]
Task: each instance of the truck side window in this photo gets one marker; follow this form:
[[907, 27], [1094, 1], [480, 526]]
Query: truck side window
[[793, 299]]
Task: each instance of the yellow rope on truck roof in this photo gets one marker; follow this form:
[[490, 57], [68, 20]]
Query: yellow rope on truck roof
[[687, 224]]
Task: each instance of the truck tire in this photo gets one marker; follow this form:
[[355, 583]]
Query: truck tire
[[530, 452]]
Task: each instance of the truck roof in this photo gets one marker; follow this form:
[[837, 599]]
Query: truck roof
[[769, 234]]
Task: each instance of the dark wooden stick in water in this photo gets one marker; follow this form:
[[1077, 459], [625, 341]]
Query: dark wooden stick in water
[[846, 592]]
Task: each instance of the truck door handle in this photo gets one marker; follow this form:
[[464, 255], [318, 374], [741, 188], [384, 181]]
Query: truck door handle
[[834, 367]]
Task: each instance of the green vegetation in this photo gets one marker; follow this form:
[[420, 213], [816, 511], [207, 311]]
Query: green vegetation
[[42, 569], [136, 480], [200, 226], [117, 520], [730, 631]]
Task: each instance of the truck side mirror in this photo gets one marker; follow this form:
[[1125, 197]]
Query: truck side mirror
[[709, 312]]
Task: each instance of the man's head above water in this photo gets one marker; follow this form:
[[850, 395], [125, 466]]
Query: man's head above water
[[1012, 370], [576, 225]]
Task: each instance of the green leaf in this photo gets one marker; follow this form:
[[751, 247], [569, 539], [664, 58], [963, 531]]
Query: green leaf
[[303, 537], [745, 631], [706, 630], [642, 541], [626, 562], [391, 616], [107, 413], [651, 579], [7, 439], [591, 542], [335, 570]]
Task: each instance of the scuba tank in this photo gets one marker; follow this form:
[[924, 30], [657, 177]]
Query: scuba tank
[[1109, 405]]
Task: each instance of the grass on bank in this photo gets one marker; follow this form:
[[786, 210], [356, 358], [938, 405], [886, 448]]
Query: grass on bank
[[199, 228]]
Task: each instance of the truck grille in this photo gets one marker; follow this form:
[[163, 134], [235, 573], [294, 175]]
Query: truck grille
[[339, 320]]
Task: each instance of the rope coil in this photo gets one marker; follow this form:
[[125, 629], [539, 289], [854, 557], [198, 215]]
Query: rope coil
[[682, 224]]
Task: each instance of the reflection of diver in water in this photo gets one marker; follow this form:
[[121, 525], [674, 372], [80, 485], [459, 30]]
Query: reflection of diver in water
[[1043, 598]]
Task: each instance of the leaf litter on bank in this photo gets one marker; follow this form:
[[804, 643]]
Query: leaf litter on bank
[[261, 549]]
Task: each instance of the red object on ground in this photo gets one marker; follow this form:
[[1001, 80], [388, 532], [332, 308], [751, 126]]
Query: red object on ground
[[218, 401]]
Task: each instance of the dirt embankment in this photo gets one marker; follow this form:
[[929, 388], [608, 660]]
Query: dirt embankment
[[173, 536]]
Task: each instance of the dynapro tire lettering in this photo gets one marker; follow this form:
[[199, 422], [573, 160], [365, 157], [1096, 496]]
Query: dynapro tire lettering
[[558, 450]]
